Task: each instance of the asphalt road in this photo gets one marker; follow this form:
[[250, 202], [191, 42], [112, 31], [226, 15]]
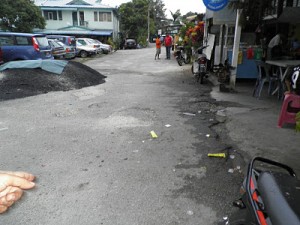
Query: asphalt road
[[96, 161]]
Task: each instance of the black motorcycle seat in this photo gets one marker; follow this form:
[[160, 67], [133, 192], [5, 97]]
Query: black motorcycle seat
[[280, 194]]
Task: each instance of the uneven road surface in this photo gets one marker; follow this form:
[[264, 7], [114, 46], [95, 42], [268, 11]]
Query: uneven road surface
[[96, 161]]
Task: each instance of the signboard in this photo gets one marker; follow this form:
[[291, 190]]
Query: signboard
[[210, 42], [215, 5]]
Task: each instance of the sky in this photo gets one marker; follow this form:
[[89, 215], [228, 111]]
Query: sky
[[185, 6]]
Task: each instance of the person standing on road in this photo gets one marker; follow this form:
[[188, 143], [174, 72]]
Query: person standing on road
[[158, 47], [168, 44]]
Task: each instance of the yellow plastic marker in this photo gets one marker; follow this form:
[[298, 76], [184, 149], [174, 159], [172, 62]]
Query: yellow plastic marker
[[153, 134], [221, 155]]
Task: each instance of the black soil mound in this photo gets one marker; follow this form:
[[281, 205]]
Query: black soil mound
[[20, 83]]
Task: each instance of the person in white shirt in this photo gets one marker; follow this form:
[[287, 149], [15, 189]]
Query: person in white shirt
[[275, 42]]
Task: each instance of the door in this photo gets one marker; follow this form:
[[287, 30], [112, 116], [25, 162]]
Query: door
[[81, 18], [75, 19]]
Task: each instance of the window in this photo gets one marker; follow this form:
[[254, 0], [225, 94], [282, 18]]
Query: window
[[51, 15], [22, 40], [289, 3], [95, 16], [59, 15], [81, 42], [105, 16], [6, 41]]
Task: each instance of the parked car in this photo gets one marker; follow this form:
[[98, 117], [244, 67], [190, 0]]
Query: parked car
[[89, 43], [58, 51], [24, 46], [84, 50], [69, 43], [1, 57], [68, 53], [104, 47], [130, 44]]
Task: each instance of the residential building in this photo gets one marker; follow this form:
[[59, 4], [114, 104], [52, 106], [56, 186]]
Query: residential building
[[79, 18]]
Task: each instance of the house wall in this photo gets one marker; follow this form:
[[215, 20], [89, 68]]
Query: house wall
[[116, 25], [57, 24], [67, 20]]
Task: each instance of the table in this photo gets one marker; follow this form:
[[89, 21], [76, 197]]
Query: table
[[282, 69]]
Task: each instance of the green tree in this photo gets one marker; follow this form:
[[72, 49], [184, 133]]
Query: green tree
[[20, 16], [176, 16], [159, 14], [134, 19]]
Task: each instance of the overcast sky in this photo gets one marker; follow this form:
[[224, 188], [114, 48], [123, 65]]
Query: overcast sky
[[185, 6]]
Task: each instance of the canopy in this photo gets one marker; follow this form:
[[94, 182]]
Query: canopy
[[290, 15]]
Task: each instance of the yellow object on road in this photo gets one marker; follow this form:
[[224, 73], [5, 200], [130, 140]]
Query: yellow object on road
[[153, 134], [221, 155]]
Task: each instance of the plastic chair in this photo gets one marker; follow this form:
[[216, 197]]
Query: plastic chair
[[264, 76], [289, 109]]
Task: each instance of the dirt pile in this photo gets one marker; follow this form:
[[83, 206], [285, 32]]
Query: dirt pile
[[20, 83]]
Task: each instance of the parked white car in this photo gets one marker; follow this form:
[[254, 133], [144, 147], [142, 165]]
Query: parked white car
[[88, 42], [104, 47], [84, 51]]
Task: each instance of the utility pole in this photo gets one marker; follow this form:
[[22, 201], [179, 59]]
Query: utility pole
[[148, 35], [236, 46]]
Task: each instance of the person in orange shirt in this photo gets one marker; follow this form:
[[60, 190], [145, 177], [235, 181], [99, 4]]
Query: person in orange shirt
[[158, 47]]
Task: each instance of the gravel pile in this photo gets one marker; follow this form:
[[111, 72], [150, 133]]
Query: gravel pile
[[20, 83]]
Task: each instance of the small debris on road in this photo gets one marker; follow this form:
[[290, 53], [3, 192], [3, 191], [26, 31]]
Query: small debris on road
[[189, 114], [153, 134], [220, 155], [230, 170], [190, 212]]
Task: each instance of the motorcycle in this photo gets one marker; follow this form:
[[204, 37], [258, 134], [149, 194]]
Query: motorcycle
[[199, 67], [181, 55], [270, 195]]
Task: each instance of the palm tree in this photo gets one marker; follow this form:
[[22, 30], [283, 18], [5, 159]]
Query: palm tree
[[176, 16]]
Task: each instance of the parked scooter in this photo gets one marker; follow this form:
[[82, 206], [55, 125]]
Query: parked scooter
[[199, 67], [271, 195], [181, 55]]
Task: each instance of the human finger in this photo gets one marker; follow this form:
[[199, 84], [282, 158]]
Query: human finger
[[10, 189], [7, 200], [10, 195], [25, 175], [3, 208], [7, 180]]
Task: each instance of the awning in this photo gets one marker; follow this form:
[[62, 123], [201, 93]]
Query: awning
[[290, 15], [77, 32]]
